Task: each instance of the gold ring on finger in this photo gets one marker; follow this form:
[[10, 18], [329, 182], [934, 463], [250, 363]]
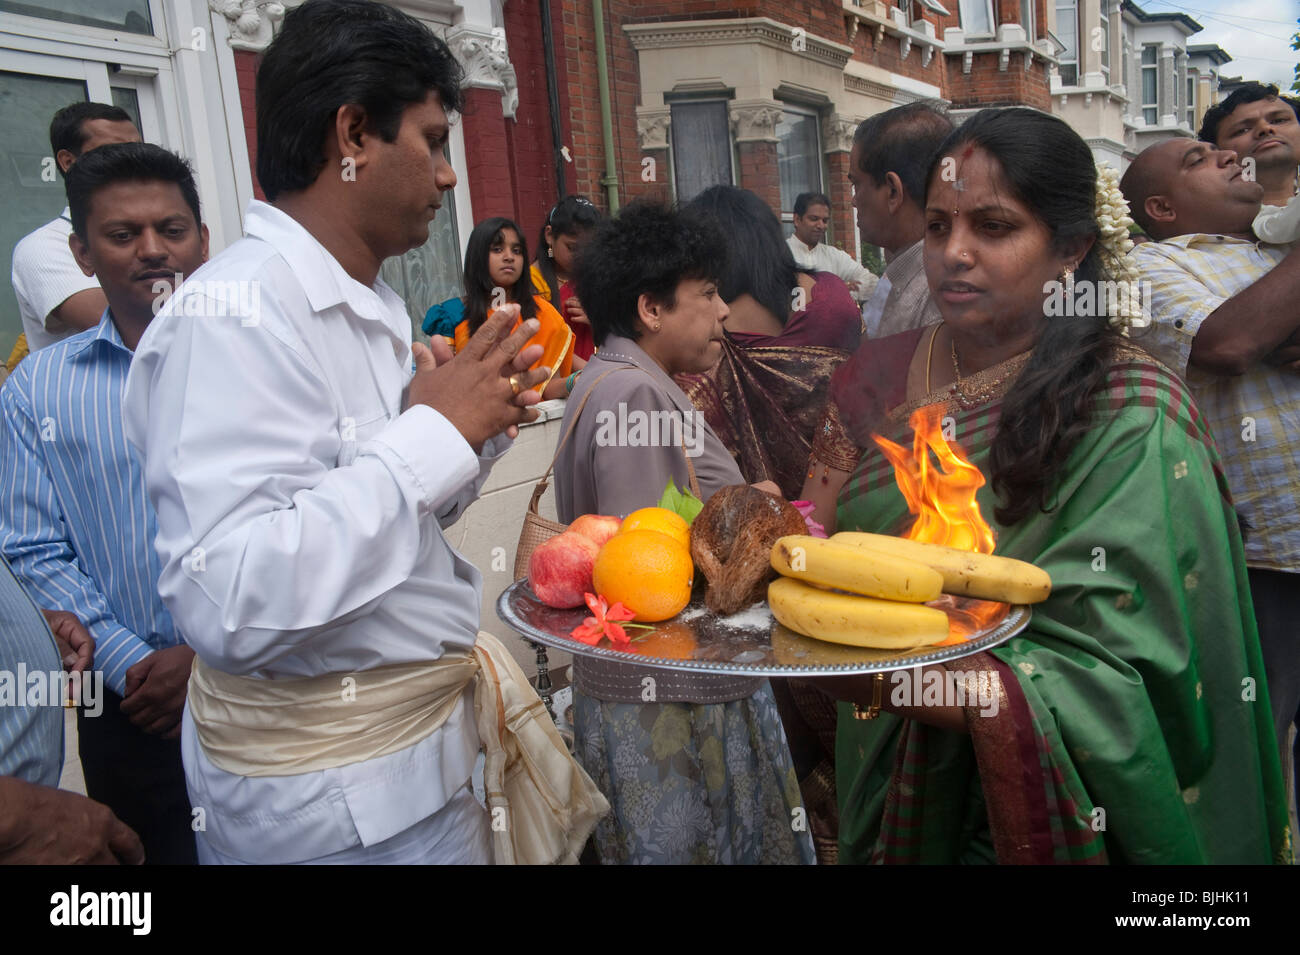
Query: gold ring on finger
[[514, 385]]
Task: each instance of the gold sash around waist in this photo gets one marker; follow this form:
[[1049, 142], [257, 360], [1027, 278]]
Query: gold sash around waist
[[542, 803]]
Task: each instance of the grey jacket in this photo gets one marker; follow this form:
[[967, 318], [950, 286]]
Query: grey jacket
[[622, 452]]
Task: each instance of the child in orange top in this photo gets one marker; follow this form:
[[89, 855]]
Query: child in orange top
[[569, 223], [496, 273]]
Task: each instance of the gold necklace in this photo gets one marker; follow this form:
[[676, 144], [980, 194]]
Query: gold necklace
[[975, 391], [929, 356]]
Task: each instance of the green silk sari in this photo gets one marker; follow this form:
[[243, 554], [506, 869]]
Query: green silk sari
[[1133, 723]]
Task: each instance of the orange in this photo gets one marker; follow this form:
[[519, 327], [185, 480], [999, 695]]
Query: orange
[[648, 572], [658, 519], [673, 641]]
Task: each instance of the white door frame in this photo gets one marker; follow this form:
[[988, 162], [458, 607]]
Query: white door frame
[[190, 96]]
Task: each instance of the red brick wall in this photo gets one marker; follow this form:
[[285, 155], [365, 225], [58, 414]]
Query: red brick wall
[[888, 55], [511, 166], [530, 152], [986, 85], [491, 190], [841, 193], [661, 186], [580, 103], [561, 41], [246, 74], [758, 171]]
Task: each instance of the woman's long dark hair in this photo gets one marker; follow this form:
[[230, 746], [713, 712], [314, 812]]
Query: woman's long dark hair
[[758, 260], [1049, 168], [478, 279], [572, 215]]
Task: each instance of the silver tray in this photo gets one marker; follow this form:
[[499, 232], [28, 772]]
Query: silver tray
[[722, 648]]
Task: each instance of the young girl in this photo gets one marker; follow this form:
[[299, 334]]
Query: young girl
[[495, 275], [566, 226]]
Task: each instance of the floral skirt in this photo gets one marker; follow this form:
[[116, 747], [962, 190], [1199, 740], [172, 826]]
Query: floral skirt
[[693, 783]]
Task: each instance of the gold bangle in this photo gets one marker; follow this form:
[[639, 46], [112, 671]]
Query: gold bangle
[[872, 711]]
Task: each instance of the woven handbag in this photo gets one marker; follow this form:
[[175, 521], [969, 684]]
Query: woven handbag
[[536, 529]]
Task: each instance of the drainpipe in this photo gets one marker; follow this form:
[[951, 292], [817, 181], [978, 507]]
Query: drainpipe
[[610, 180], [553, 95]]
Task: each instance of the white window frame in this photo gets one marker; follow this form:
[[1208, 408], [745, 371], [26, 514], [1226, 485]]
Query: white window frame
[[964, 5], [1105, 42], [1078, 40], [1028, 15], [819, 151], [45, 28], [193, 103], [673, 99], [1191, 101], [1154, 105]]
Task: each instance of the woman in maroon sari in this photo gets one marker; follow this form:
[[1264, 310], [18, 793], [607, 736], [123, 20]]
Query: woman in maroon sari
[[789, 329]]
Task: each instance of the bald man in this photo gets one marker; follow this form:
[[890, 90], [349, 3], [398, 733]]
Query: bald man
[[1226, 315]]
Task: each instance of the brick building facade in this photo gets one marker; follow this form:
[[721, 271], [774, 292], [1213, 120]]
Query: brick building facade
[[765, 94], [779, 66], [782, 83]]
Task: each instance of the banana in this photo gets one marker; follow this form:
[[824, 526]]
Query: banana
[[856, 621], [964, 572], [825, 563]]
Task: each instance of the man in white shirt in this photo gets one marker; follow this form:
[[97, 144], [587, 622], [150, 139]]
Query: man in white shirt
[[55, 298], [888, 166], [812, 217], [302, 474]]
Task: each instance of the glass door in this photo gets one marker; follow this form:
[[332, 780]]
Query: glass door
[[430, 274], [33, 87]]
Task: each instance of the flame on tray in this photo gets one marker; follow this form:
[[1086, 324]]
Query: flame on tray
[[943, 499]]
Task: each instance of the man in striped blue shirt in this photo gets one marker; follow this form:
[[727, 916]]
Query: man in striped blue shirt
[[75, 520], [40, 824]]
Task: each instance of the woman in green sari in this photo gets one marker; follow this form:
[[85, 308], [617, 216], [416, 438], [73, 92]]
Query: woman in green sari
[[1131, 720]]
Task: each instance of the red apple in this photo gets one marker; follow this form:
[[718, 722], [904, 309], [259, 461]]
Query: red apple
[[560, 570], [597, 527]]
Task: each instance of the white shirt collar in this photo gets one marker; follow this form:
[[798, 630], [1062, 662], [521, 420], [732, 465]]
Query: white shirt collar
[[324, 281]]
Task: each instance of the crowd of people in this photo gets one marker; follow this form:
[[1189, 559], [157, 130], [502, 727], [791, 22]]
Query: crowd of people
[[226, 500]]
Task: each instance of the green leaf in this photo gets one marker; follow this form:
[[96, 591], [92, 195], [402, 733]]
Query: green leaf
[[691, 507], [668, 500], [682, 503]]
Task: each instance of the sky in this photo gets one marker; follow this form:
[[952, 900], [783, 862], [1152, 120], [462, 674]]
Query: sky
[[1255, 33]]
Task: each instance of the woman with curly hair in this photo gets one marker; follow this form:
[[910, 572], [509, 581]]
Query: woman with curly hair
[[1132, 722], [702, 773]]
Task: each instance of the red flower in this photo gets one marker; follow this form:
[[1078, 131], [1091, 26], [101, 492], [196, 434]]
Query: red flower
[[604, 623]]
